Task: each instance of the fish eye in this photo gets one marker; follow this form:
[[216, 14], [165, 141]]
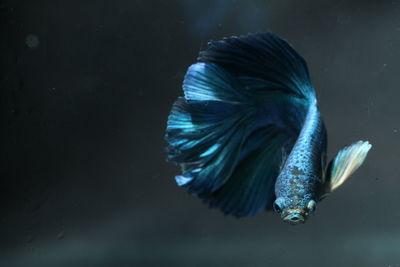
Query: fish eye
[[311, 206], [278, 205]]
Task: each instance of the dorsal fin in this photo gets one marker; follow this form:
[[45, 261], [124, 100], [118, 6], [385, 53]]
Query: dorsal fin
[[243, 103]]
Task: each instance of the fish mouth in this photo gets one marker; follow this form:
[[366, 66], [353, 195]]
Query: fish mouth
[[294, 217]]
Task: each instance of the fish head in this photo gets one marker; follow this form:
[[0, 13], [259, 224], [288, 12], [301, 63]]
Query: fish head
[[294, 212]]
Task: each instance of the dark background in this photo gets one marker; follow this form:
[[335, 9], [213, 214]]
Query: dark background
[[85, 90]]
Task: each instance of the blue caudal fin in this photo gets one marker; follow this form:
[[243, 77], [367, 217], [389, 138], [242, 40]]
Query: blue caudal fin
[[244, 105], [262, 60]]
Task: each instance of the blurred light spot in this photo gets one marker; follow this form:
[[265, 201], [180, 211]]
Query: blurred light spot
[[204, 17], [61, 235], [344, 19], [32, 41]]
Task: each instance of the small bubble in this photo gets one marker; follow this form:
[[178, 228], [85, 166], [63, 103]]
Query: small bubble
[[32, 41], [395, 130]]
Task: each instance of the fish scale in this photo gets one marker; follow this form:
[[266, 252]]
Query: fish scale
[[300, 176]]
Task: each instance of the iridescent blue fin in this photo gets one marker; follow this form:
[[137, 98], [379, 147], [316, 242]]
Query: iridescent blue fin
[[346, 162], [262, 61], [244, 105]]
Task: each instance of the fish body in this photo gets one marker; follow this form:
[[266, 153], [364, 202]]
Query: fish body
[[299, 182], [248, 134]]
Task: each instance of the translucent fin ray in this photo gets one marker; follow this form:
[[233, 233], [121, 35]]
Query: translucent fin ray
[[346, 162]]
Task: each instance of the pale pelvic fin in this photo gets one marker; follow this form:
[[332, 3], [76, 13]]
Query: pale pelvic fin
[[346, 162]]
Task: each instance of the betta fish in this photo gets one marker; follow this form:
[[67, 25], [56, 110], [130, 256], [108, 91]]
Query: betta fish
[[248, 134]]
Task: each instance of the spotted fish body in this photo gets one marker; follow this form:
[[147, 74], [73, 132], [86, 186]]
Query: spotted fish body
[[248, 134], [300, 180]]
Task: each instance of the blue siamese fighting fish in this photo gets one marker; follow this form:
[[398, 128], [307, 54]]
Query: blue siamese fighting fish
[[248, 134]]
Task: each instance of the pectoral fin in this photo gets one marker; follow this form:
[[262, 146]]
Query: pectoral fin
[[346, 162]]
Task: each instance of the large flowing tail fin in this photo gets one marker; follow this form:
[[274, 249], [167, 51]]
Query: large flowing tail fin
[[244, 105]]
